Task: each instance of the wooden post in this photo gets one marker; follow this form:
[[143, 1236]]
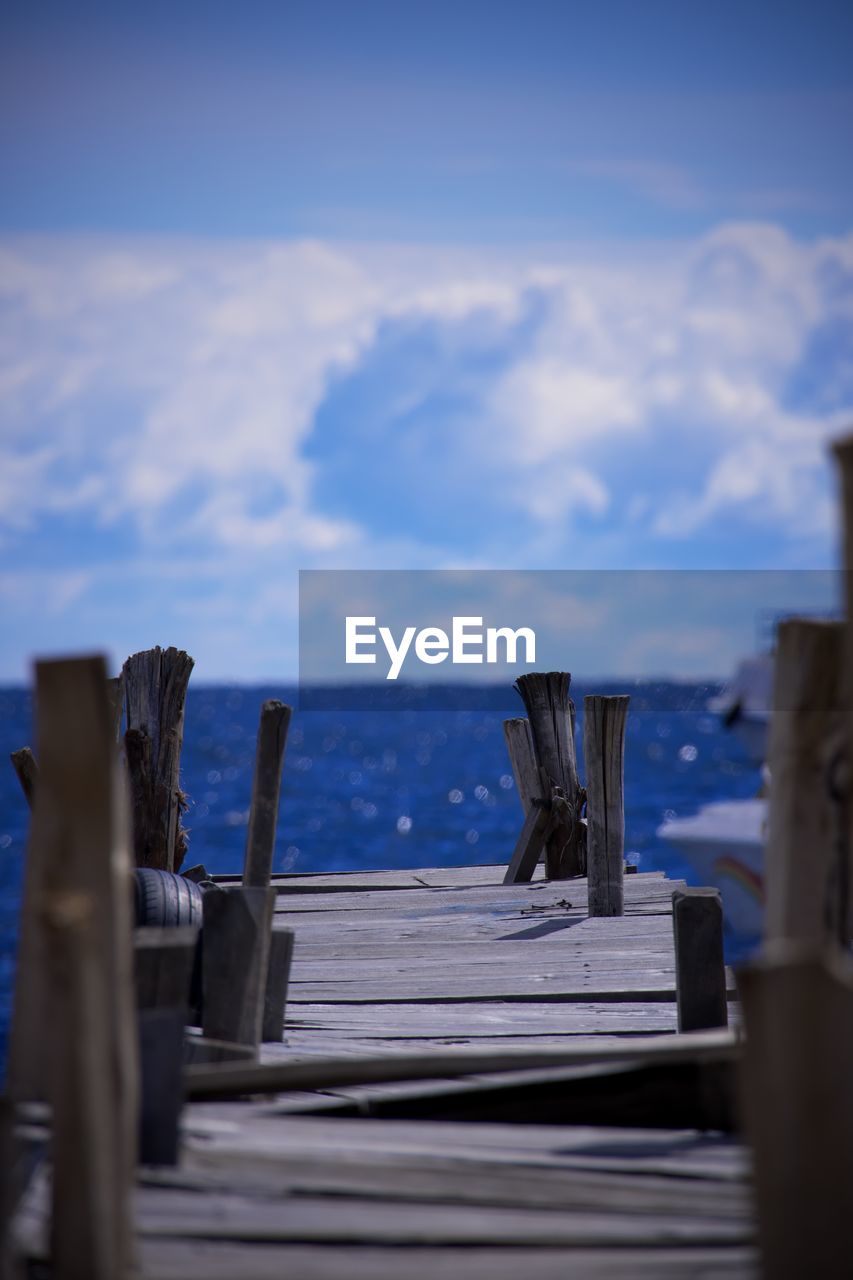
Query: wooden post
[[843, 905], [235, 954], [798, 1108], [529, 845], [73, 1038], [700, 969], [155, 690], [278, 972], [163, 965], [522, 757], [24, 764], [806, 718], [550, 712], [269, 757], [604, 761]]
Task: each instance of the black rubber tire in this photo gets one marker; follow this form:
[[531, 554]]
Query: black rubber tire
[[164, 899]]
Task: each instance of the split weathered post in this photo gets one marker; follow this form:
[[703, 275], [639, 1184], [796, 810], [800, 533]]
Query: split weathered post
[[700, 967], [266, 787], [551, 715], [806, 721], [155, 689], [843, 903], [27, 770], [604, 721], [74, 980], [798, 1107]]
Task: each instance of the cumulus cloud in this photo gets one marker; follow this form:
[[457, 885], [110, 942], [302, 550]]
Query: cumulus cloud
[[282, 404]]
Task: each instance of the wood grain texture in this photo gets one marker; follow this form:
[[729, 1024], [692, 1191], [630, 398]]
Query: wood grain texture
[[550, 713], [266, 787], [604, 761]]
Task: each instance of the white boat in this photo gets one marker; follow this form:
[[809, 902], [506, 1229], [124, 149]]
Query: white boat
[[724, 845], [745, 704]]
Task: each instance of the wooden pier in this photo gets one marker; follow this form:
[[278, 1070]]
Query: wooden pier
[[483, 1038]]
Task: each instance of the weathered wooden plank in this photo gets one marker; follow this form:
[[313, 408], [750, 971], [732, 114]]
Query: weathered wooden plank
[[522, 758], [604, 760], [697, 921], [161, 1057], [163, 965], [266, 786], [529, 845]]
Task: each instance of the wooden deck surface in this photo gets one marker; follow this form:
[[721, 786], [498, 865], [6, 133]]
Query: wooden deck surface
[[435, 962]]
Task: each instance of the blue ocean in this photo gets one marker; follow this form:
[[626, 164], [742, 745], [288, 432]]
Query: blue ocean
[[377, 788]]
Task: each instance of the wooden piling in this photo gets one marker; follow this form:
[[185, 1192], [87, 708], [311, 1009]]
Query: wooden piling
[[275, 994], [550, 712], [807, 715], [74, 979], [235, 955], [798, 1107], [27, 771], [155, 688], [604, 763], [700, 970], [266, 786]]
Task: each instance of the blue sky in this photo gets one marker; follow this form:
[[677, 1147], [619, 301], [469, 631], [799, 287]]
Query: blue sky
[[282, 286]]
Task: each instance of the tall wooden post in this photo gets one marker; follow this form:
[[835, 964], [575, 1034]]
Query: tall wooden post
[[843, 906], [522, 758], [550, 712], [604, 760], [806, 719], [266, 787], [73, 1036], [798, 1108], [155, 689]]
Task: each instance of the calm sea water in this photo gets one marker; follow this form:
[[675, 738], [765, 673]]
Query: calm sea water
[[384, 789]]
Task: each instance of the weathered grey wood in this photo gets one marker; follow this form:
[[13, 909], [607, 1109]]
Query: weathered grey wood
[[163, 964], [75, 973], [115, 699], [529, 845], [461, 1060], [604, 760], [200, 1051], [27, 771], [798, 1107], [697, 923], [155, 688], [546, 699], [278, 973], [161, 1059], [806, 720], [197, 874], [522, 758], [842, 903], [266, 786], [235, 954]]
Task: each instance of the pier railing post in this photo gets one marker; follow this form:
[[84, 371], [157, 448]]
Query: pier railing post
[[155, 689], [700, 969], [806, 720], [798, 1107], [266, 788], [73, 1038], [604, 721], [551, 716]]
